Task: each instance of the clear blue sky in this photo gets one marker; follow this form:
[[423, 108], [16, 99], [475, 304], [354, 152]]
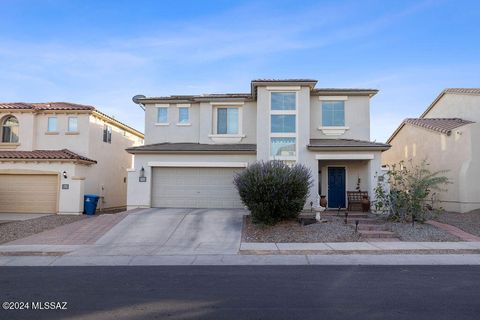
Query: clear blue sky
[[104, 52]]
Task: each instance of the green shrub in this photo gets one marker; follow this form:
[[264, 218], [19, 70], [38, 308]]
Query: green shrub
[[273, 191]]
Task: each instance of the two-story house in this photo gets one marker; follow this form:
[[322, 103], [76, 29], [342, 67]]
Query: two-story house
[[194, 144], [447, 136], [51, 154]]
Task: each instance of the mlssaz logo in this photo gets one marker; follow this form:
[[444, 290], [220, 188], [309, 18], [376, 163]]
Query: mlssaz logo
[[49, 305]]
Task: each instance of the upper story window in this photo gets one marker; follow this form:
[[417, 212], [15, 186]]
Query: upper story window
[[227, 120], [52, 124], [283, 127], [107, 134], [162, 115], [72, 124], [10, 129], [283, 101], [333, 113], [183, 115]]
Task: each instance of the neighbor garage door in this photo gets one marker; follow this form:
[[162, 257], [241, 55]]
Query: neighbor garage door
[[28, 193], [195, 188]]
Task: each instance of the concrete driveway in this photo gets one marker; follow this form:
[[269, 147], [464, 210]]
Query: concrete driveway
[[177, 232]]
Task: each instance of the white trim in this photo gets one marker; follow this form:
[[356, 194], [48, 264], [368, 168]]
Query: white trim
[[215, 124], [162, 105], [183, 124], [345, 156], [162, 124], [333, 98], [226, 138], [333, 130], [131, 170], [229, 103], [197, 164], [285, 88], [283, 135], [185, 105]]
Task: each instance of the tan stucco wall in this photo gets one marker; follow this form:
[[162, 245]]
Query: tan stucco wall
[[357, 118], [69, 201], [107, 178], [201, 124], [454, 153]]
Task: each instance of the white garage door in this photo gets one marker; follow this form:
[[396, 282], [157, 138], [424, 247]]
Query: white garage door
[[195, 188], [28, 193]]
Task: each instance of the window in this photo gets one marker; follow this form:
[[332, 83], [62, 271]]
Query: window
[[283, 123], [52, 124], [283, 101], [333, 113], [162, 115], [107, 134], [72, 124], [183, 115], [227, 121], [10, 129], [283, 127], [283, 147]]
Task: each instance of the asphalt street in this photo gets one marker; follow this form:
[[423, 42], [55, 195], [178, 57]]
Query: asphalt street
[[243, 292]]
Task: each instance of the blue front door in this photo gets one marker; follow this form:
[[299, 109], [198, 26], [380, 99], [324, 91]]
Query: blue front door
[[336, 187]]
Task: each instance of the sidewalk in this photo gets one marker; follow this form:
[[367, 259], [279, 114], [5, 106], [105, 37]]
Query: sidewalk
[[353, 253]]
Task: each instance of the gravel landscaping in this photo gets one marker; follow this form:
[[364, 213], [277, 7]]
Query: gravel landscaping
[[14, 230], [420, 232], [291, 231], [468, 222]]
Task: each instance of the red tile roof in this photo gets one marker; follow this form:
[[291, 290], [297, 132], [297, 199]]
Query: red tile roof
[[63, 154], [442, 125], [45, 106]]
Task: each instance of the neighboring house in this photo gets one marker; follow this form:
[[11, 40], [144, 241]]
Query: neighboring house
[[51, 154], [194, 145], [447, 135]]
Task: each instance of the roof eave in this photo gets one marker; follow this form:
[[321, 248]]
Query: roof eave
[[349, 148], [134, 151]]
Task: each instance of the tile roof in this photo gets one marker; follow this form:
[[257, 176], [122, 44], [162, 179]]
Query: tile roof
[[200, 97], [442, 125], [193, 147], [284, 80], [346, 143], [63, 154], [45, 106]]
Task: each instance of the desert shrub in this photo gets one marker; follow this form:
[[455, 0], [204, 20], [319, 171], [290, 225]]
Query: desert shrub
[[412, 192], [273, 191]]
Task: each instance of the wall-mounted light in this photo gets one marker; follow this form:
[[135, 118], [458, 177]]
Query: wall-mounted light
[[142, 177], [64, 174]]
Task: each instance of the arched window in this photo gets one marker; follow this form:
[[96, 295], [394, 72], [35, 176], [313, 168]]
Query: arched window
[[10, 129]]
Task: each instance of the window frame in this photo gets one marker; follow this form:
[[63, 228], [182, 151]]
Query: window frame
[[68, 124], [239, 120], [293, 135], [163, 107], [107, 133], [11, 133], [56, 124], [181, 107], [324, 125]]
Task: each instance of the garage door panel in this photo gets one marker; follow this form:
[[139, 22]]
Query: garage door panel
[[195, 187], [25, 193]]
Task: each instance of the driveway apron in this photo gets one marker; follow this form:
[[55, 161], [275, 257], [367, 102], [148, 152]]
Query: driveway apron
[[159, 231]]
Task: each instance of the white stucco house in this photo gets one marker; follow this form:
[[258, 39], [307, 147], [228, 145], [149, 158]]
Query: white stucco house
[[447, 136], [51, 154], [194, 144]]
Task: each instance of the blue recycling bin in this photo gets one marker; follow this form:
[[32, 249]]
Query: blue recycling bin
[[90, 203]]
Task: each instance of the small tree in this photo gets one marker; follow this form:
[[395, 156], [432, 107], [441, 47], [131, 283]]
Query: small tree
[[273, 191], [411, 192]]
